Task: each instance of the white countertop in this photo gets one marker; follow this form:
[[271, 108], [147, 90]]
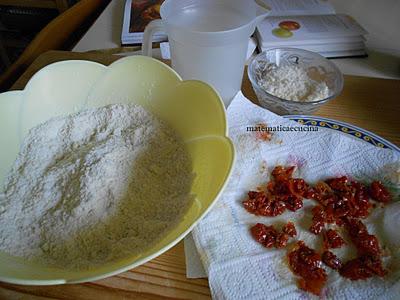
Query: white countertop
[[380, 18]]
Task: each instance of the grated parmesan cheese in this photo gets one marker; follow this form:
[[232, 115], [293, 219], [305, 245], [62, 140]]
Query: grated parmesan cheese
[[292, 83]]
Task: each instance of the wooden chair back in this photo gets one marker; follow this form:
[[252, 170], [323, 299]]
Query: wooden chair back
[[55, 36]]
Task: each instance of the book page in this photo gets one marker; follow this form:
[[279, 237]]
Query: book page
[[297, 30], [298, 7]]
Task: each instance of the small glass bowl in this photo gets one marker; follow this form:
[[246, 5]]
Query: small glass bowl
[[316, 65]]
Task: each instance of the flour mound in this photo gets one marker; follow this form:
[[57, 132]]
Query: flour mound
[[94, 187], [293, 83]]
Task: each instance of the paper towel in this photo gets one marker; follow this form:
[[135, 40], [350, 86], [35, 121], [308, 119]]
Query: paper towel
[[240, 268]]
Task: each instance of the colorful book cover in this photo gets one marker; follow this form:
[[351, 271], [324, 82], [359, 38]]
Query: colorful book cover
[[142, 13]]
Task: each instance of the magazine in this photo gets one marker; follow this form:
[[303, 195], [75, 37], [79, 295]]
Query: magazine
[[311, 25], [137, 14]]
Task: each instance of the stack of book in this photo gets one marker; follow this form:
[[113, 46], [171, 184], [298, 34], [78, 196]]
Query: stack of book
[[308, 24], [311, 25], [137, 14]]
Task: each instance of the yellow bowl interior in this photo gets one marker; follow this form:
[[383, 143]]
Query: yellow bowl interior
[[193, 108]]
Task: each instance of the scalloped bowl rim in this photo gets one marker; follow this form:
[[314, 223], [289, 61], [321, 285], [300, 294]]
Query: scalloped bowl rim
[[143, 260]]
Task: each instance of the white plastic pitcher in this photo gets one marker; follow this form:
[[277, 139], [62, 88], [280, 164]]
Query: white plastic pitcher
[[208, 39]]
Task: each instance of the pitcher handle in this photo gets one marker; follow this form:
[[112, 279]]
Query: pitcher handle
[[151, 28]]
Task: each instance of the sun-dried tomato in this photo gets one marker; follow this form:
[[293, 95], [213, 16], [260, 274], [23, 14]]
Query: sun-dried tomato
[[292, 202], [361, 191], [318, 220], [367, 245], [263, 205], [280, 172], [341, 201], [306, 263], [369, 262], [355, 228], [319, 213], [322, 191], [289, 229], [255, 200], [355, 269], [331, 260], [374, 263], [282, 240], [281, 193], [341, 198], [337, 209], [332, 239], [268, 236], [327, 200], [360, 204], [265, 235], [316, 227], [310, 193], [254, 194], [272, 208], [362, 267], [338, 184], [271, 187], [280, 187], [299, 187], [379, 193]]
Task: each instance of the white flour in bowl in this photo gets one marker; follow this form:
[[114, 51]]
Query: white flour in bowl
[[292, 82], [94, 187]]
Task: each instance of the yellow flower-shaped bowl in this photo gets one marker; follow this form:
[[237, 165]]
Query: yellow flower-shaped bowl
[[193, 108]]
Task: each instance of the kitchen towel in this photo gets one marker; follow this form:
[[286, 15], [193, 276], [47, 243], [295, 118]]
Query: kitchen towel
[[240, 268]]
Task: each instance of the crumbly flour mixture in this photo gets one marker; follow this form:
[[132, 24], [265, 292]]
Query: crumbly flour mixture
[[93, 187], [292, 83]]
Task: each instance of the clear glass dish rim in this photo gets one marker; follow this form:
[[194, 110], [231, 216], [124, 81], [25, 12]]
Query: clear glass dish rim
[[262, 54]]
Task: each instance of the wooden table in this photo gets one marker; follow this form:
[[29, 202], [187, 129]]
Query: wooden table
[[370, 103]]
